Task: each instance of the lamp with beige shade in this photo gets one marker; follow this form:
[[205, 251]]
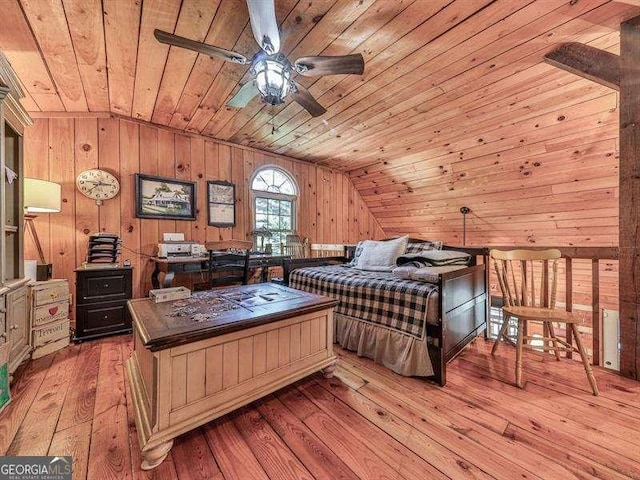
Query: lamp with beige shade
[[40, 196]]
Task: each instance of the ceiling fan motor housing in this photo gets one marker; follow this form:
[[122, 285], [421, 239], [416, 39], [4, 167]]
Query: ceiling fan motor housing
[[272, 75]]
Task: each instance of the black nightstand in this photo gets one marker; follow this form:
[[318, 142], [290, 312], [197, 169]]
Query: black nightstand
[[101, 302]]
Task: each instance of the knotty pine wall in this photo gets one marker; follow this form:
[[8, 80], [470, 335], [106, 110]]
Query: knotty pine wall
[[535, 158], [330, 210]]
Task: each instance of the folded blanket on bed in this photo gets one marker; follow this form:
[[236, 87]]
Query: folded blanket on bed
[[434, 258], [424, 274]]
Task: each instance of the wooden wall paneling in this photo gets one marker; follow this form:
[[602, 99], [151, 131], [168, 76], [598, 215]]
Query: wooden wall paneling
[[152, 55], [149, 228], [86, 152], [36, 165], [87, 34], [166, 168], [211, 160], [19, 46], [225, 173], [321, 213], [198, 175], [109, 160], [62, 170], [231, 18], [130, 232], [49, 26], [121, 25], [182, 151], [242, 187], [193, 22], [352, 217]]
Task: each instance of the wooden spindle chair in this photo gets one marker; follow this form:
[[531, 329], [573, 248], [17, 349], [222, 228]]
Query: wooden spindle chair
[[516, 271]]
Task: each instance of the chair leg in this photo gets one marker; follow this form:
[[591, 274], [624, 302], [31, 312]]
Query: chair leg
[[521, 324], [554, 340], [503, 330], [585, 360]]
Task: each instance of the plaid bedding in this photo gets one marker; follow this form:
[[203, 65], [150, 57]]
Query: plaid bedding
[[375, 297]]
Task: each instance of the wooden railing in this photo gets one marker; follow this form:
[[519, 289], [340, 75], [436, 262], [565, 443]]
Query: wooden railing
[[596, 255]]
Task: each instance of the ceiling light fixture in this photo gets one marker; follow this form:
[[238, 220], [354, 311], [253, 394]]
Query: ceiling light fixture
[[272, 76]]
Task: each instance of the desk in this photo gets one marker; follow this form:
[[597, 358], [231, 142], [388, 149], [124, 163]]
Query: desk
[[173, 265], [197, 359]]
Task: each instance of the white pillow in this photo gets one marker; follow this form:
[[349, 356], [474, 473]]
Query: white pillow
[[381, 256]]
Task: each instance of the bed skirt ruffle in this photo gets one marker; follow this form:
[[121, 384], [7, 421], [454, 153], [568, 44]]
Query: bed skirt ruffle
[[400, 353]]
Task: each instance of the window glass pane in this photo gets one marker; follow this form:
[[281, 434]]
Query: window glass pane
[[285, 223], [285, 208], [261, 205], [274, 206], [274, 181], [261, 220]]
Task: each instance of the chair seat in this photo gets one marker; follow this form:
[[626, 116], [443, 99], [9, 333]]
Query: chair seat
[[541, 314]]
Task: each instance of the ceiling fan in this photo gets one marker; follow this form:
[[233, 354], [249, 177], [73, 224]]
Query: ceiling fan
[[271, 70]]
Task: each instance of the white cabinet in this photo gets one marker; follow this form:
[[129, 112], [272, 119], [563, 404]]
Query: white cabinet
[[14, 311]]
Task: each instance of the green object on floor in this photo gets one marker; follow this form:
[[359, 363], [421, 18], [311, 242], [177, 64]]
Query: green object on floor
[[4, 386]]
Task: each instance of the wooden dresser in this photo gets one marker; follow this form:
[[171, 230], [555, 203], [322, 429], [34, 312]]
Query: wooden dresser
[[49, 314], [101, 302]]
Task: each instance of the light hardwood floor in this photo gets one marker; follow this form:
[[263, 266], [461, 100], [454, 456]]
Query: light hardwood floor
[[367, 423]]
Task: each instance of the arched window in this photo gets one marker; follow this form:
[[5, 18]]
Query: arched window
[[274, 207]]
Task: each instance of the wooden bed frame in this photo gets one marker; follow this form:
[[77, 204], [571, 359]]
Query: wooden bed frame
[[463, 304]]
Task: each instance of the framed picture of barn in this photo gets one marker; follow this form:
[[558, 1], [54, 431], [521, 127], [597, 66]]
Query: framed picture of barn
[[165, 198]]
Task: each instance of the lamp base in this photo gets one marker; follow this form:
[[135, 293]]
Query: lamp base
[[44, 272]]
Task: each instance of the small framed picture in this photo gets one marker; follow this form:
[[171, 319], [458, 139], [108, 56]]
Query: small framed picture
[[221, 202], [165, 198]]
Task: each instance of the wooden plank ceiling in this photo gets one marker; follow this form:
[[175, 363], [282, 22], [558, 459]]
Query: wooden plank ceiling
[[448, 86]]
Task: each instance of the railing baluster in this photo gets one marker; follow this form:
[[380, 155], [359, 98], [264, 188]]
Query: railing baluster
[[568, 273], [596, 324]]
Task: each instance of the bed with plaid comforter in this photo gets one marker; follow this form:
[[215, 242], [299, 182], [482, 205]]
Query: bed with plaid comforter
[[376, 297]]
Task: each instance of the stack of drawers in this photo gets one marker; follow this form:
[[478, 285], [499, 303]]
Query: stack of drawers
[[49, 316]]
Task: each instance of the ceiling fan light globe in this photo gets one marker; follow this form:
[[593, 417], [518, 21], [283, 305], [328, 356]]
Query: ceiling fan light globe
[[272, 77]]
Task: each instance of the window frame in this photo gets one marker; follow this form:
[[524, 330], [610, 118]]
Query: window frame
[[255, 194]]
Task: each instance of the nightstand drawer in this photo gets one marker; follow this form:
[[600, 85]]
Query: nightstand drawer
[[105, 286], [100, 319]]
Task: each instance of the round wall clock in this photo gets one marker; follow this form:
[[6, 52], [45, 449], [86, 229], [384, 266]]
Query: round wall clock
[[98, 185]]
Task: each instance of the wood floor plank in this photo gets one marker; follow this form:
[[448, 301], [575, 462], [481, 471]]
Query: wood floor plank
[[272, 453], [406, 388], [73, 441], [374, 424], [193, 458], [110, 454], [392, 451], [493, 366], [36, 432], [316, 456], [582, 411], [24, 389], [231, 452], [80, 401]]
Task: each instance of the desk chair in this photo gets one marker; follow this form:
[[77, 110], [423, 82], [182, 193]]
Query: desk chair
[[516, 271], [228, 268]]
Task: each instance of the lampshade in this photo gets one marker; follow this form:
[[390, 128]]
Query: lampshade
[[41, 196], [273, 77]]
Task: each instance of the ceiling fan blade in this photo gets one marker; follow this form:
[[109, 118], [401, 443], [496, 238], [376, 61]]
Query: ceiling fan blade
[[306, 101], [243, 96], [264, 25], [212, 51], [318, 66]]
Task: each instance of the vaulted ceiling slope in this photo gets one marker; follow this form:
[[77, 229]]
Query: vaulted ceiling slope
[[456, 105]]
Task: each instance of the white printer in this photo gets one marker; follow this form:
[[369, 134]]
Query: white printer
[[174, 245]]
